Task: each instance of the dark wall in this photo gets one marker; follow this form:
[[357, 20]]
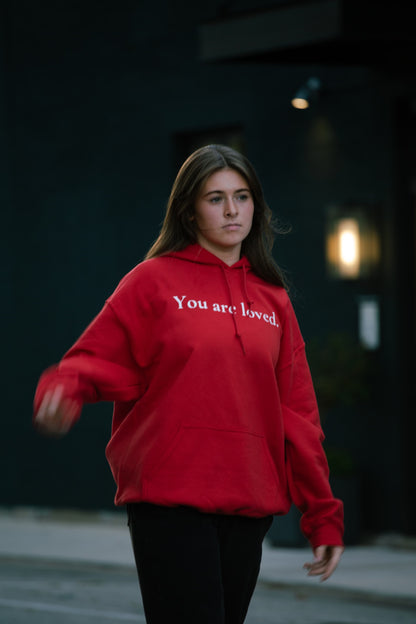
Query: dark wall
[[93, 102]]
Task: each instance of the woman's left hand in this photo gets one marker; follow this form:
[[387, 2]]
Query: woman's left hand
[[326, 559]]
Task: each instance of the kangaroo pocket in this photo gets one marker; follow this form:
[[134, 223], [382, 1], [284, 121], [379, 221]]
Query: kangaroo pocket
[[216, 470]]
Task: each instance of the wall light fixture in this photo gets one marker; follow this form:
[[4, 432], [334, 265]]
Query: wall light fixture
[[307, 93], [352, 242]]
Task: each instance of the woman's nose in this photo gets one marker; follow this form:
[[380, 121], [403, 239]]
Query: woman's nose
[[231, 208]]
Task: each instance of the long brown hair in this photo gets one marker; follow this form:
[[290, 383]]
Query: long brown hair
[[179, 229]]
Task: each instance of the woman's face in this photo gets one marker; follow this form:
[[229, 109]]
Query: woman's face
[[224, 214]]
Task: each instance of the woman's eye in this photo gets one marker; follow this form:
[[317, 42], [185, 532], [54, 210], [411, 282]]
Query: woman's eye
[[215, 200], [243, 197]]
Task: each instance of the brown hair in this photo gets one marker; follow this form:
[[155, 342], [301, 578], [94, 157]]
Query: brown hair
[[179, 229]]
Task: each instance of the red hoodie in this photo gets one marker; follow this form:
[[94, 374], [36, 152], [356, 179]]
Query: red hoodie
[[214, 405]]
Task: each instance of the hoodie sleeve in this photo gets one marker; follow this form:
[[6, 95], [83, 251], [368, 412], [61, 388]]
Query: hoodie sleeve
[[306, 463], [98, 367]]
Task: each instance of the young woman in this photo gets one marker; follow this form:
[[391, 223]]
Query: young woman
[[215, 424]]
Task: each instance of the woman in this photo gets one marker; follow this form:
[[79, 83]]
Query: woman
[[215, 424]]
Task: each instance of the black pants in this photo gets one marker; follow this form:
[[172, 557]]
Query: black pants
[[195, 568]]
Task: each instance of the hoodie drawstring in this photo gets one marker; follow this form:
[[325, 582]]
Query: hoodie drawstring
[[234, 315], [249, 301]]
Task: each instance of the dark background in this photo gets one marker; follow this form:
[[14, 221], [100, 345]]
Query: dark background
[[99, 104]]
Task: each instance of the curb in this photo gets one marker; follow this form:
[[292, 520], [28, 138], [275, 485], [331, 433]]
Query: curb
[[343, 593]]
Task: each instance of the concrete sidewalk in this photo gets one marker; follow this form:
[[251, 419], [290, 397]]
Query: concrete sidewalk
[[383, 571]]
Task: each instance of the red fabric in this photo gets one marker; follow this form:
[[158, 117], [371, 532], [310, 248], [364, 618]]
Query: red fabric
[[214, 405]]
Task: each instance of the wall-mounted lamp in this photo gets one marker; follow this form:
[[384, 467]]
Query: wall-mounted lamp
[[352, 242], [306, 93]]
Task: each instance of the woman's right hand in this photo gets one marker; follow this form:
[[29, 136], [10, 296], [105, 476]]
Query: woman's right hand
[[56, 415]]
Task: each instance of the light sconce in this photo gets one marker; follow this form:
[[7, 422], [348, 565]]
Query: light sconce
[[306, 93], [352, 242]]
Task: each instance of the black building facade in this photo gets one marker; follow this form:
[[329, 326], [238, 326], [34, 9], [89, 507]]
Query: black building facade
[[99, 104]]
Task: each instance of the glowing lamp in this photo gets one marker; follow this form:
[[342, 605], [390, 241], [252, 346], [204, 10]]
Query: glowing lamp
[[306, 93], [352, 244]]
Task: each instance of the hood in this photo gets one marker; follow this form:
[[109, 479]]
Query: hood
[[200, 255]]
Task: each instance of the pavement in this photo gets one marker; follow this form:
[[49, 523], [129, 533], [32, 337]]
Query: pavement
[[382, 570]]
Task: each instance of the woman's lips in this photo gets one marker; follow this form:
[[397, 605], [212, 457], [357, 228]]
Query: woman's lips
[[231, 226]]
